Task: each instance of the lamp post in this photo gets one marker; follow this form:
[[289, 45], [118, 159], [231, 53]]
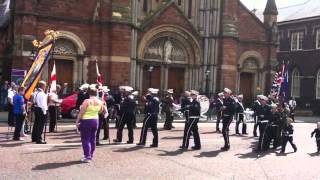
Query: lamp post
[[150, 69], [207, 73]]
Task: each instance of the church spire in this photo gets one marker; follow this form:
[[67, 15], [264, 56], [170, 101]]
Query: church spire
[[271, 8]]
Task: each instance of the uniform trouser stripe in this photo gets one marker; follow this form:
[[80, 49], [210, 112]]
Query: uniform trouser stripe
[[189, 128], [143, 129]]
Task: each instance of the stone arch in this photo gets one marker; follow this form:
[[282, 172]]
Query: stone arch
[[176, 32], [73, 38], [251, 54]]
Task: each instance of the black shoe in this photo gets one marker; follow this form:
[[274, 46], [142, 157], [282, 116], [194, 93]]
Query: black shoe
[[255, 135], [41, 142], [195, 148], [105, 138], [98, 144], [129, 142], [281, 152], [154, 145], [238, 133], [116, 141], [218, 131], [245, 133], [225, 148], [141, 144], [295, 149], [183, 147]]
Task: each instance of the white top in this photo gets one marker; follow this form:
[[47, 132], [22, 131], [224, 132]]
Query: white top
[[41, 100], [11, 93], [54, 100]]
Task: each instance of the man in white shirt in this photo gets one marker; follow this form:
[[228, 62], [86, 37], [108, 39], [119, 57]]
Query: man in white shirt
[[11, 93], [40, 99], [54, 103]]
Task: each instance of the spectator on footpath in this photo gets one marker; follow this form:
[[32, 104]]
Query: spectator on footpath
[[11, 93], [87, 122], [65, 90], [4, 94], [292, 107], [19, 112]]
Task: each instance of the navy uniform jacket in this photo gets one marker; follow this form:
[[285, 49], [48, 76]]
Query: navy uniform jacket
[[152, 106], [185, 103], [264, 113], [127, 106], [287, 130], [218, 104], [317, 132], [229, 103], [195, 108], [255, 106]]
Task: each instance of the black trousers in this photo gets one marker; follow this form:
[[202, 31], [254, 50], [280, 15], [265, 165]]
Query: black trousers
[[11, 121], [38, 126], [262, 136], [226, 121], [53, 115], [169, 120], [255, 127], [19, 121], [103, 123], [271, 134], [192, 127], [318, 145], [285, 140], [218, 120], [244, 125], [149, 121], [186, 113], [126, 119]]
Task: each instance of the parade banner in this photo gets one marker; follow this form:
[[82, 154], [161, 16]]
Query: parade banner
[[34, 74]]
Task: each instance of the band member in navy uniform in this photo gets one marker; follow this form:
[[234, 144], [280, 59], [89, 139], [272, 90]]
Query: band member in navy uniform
[[240, 115], [264, 115], [185, 104], [192, 125], [127, 113], [228, 110], [287, 135], [102, 92], [218, 105], [316, 132], [151, 118], [167, 106], [255, 107]]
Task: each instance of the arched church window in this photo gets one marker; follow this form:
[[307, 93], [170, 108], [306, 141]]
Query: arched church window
[[165, 49], [64, 47], [251, 64], [295, 83]]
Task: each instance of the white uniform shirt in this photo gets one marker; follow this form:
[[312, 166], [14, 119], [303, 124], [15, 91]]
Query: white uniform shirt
[[54, 100], [41, 100], [11, 93]]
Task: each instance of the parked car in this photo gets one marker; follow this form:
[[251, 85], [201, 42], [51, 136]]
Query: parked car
[[68, 106]]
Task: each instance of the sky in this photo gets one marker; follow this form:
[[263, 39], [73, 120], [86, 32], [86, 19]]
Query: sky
[[288, 9], [261, 4]]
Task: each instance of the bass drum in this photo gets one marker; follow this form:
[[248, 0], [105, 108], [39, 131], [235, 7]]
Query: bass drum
[[204, 104]]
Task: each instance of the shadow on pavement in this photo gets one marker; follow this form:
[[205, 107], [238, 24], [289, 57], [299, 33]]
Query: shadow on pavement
[[171, 153], [314, 154], [67, 137], [56, 165], [12, 144], [52, 150], [172, 137], [209, 154], [134, 148]]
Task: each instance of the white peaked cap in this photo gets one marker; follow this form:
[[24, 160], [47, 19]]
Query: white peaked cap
[[194, 92], [263, 97], [227, 90], [240, 96], [105, 89], [128, 88], [84, 86]]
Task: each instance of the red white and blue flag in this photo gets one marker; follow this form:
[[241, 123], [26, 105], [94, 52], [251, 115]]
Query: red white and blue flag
[[99, 77]]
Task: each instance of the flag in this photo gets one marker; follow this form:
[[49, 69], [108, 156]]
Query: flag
[[284, 91], [99, 78], [53, 78], [34, 73]]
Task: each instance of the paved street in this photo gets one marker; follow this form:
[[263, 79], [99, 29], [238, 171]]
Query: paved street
[[60, 158]]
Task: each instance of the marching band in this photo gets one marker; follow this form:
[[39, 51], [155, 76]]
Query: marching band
[[270, 117]]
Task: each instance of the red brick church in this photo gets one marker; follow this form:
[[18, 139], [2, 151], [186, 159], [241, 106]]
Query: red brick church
[[180, 44]]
